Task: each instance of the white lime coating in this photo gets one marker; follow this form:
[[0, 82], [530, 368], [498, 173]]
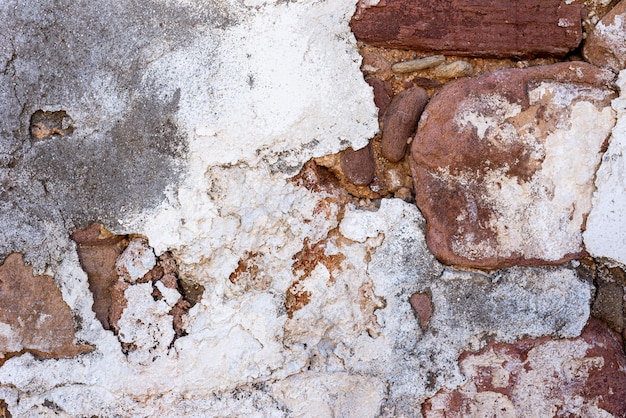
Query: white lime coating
[[605, 235], [136, 260], [258, 98], [277, 92], [354, 350]]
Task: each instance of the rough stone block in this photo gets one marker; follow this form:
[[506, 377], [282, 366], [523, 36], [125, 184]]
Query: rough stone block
[[400, 121], [34, 318], [383, 93], [359, 166], [98, 251], [472, 28], [504, 164], [606, 44]]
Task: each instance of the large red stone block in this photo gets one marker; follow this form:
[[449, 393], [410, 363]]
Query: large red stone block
[[504, 164]]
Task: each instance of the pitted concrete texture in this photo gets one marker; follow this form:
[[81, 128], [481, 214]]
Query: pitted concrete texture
[[121, 146]]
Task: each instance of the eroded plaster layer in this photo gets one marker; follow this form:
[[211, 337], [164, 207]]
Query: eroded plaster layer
[[107, 120], [605, 235]]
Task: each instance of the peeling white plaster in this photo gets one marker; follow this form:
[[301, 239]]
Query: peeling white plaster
[[286, 87], [605, 235], [354, 350], [279, 87], [136, 260], [145, 324]]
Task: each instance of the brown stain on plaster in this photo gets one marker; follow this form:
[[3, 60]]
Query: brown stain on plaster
[[248, 275], [305, 261]]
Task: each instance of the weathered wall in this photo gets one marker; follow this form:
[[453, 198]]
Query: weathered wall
[[187, 233]]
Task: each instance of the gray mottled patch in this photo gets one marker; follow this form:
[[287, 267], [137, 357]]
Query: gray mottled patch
[[86, 61]]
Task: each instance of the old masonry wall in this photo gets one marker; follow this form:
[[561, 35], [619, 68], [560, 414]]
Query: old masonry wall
[[312, 208]]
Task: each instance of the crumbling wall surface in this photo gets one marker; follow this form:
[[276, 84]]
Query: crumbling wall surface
[[106, 105], [201, 216], [181, 122]]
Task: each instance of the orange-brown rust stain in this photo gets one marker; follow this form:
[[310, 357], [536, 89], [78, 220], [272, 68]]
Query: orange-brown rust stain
[[248, 275], [244, 267], [308, 258], [305, 262], [296, 298]]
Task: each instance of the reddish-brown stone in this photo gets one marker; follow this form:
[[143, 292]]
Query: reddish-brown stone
[[606, 44], [400, 121], [4, 410], [35, 318], [426, 83], [522, 28], [358, 166], [373, 63], [421, 304], [585, 376], [457, 169], [98, 250], [383, 92]]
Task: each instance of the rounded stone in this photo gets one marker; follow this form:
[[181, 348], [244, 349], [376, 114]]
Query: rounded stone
[[400, 121]]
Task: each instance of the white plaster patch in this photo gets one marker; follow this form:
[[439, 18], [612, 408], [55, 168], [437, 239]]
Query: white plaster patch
[[359, 226], [614, 35], [605, 235], [145, 326], [497, 107], [331, 395], [287, 87], [136, 260]]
